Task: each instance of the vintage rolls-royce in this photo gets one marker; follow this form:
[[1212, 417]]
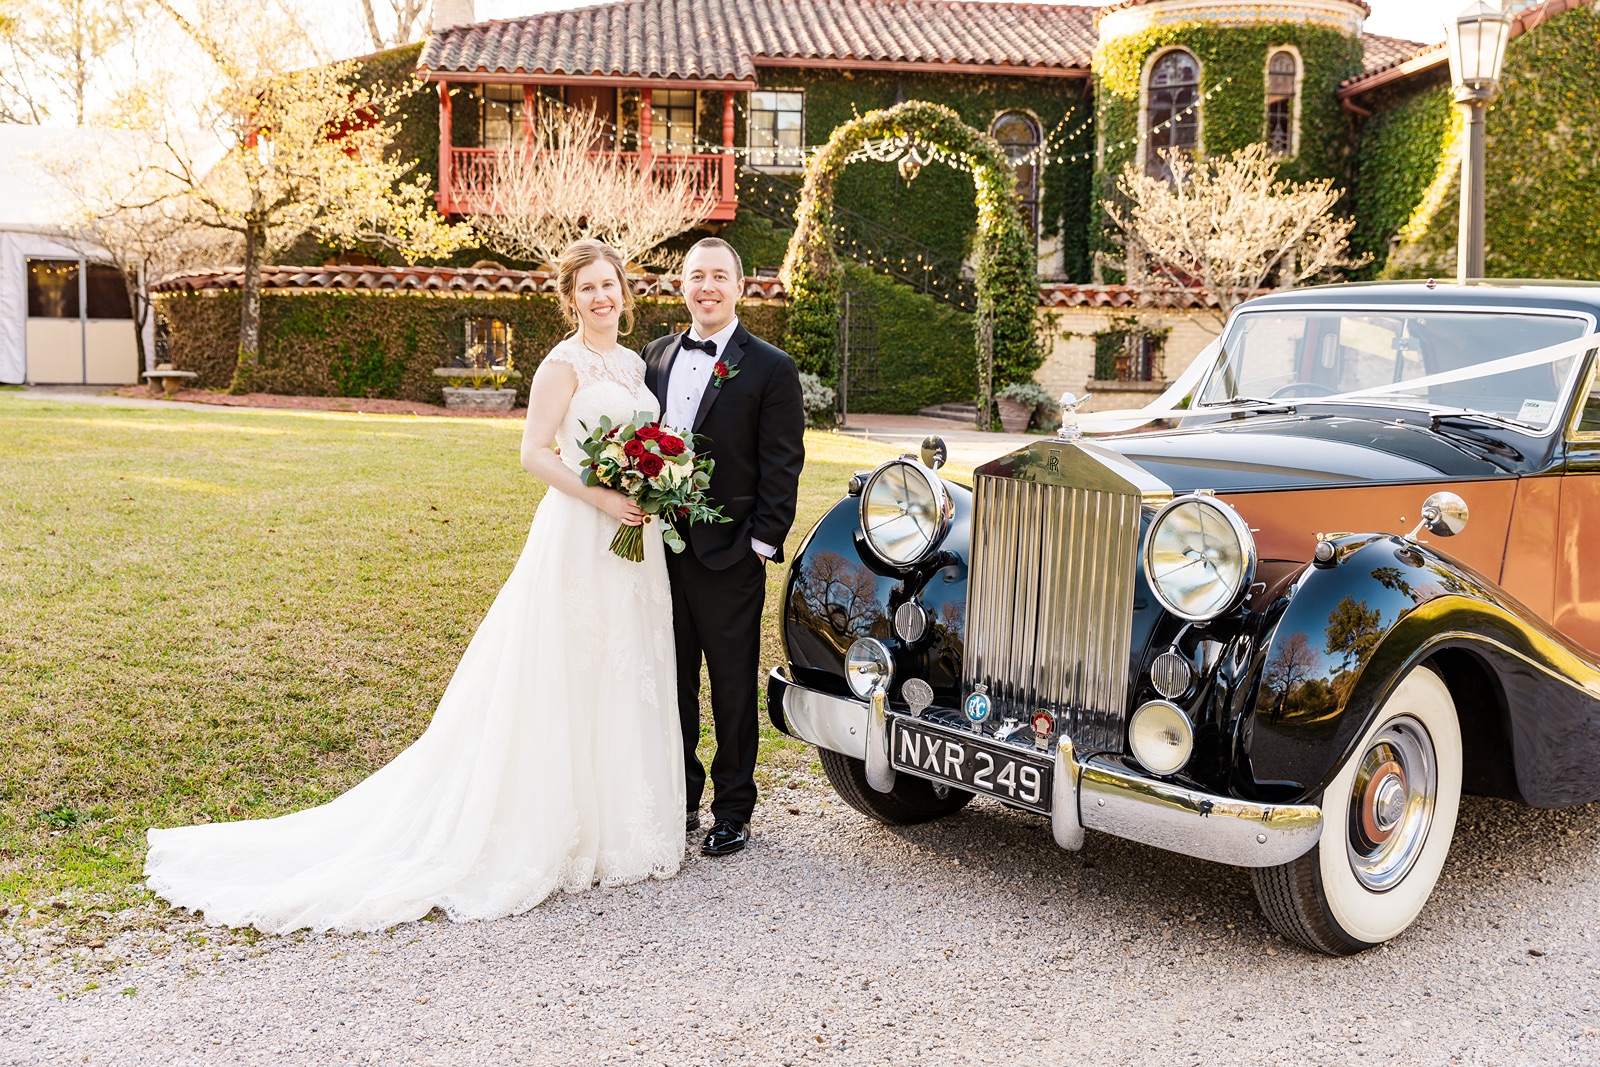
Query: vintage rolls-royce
[[1350, 581]]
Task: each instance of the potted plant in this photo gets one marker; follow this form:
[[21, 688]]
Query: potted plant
[[1017, 403], [484, 367]]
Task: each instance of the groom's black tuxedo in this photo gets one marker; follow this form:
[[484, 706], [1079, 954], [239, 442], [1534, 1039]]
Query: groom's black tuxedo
[[753, 426]]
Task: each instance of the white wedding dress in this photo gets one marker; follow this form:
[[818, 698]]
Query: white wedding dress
[[554, 760]]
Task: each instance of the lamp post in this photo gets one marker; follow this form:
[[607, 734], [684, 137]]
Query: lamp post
[[1477, 42]]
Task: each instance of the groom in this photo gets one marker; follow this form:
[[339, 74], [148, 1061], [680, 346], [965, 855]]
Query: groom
[[743, 396]]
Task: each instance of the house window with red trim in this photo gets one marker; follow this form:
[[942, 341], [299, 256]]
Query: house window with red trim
[[1172, 110], [777, 128], [672, 113], [500, 114]]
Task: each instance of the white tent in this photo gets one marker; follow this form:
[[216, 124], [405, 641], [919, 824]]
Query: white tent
[[74, 341]]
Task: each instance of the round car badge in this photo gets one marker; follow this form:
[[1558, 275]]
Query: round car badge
[[977, 707], [1043, 725]]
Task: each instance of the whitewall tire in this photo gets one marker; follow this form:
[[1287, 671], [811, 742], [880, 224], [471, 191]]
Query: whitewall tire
[[1387, 820]]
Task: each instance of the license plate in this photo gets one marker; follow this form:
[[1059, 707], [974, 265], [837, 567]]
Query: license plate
[[971, 763]]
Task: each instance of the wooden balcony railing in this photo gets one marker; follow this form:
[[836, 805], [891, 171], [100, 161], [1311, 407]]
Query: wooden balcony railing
[[472, 170]]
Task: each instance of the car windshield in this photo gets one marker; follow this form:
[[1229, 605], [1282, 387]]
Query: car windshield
[[1300, 355]]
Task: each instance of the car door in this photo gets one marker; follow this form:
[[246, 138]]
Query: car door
[[1577, 556]]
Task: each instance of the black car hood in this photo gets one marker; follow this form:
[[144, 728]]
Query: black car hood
[[1302, 452]]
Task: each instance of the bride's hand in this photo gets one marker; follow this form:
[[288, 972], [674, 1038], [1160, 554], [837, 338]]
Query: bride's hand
[[619, 506]]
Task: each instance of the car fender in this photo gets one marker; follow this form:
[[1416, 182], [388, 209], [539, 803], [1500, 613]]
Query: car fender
[[1356, 622], [836, 592]]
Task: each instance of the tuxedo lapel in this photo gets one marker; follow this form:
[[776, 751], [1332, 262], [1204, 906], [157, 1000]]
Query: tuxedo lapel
[[731, 357], [669, 355]]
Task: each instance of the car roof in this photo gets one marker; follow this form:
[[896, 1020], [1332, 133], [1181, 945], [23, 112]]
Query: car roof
[[1494, 293]]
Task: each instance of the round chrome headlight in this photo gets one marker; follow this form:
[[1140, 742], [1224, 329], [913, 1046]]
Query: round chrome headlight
[[905, 512], [1161, 736], [867, 666], [1199, 557]]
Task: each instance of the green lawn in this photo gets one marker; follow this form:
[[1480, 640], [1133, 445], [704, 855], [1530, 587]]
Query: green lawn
[[237, 614]]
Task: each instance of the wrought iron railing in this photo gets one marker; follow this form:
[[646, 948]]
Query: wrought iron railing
[[1129, 356]]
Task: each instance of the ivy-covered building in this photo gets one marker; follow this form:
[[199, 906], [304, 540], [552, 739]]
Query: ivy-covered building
[[740, 91]]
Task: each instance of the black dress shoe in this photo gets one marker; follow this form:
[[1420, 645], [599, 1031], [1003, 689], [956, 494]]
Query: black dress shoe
[[692, 822], [726, 837]]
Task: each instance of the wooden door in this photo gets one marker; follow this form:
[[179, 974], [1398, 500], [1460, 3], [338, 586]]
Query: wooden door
[[603, 102]]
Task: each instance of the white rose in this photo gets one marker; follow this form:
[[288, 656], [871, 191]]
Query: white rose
[[614, 453]]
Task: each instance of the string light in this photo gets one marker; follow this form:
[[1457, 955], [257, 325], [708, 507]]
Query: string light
[[1041, 154]]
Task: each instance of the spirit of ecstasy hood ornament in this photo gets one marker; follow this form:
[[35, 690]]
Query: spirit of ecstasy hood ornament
[[1070, 430]]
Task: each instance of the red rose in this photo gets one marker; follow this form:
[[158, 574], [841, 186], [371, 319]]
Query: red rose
[[650, 464], [720, 370], [633, 449], [650, 431], [670, 445]]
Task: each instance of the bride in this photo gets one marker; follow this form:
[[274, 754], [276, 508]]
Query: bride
[[554, 760]]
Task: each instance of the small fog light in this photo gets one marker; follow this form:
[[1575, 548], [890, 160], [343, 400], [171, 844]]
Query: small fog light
[[867, 666], [1161, 736]]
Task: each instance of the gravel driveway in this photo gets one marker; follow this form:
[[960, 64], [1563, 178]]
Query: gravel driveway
[[835, 940]]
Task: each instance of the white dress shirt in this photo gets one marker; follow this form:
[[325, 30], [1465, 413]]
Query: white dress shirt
[[691, 375], [687, 385]]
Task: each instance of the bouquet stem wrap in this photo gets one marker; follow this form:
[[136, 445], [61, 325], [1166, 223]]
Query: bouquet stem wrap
[[629, 543]]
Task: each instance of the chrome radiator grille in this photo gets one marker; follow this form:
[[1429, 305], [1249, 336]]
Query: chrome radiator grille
[[1050, 604]]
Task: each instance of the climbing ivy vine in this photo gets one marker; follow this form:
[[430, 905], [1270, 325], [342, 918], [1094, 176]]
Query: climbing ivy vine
[[1543, 163], [1233, 60], [1007, 285]]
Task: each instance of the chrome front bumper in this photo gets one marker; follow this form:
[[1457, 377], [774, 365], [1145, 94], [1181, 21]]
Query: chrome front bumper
[[1092, 794]]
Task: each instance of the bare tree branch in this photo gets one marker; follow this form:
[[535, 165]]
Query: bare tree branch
[[294, 151], [558, 189], [1228, 227], [118, 205], [407, 22]]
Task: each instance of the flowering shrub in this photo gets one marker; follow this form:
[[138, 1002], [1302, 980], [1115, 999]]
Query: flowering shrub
[[818, 397]]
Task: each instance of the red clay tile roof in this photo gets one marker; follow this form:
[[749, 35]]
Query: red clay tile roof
[[1428, 57], [462, 280], [424, 279], [1385, 52], [1068, 295], [1136, 3], [726, 40]]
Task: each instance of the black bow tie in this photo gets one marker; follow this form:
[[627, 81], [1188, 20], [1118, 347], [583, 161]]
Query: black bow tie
[[707, 346]]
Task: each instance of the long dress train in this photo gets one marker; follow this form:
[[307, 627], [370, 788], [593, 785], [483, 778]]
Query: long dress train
[[554, 760]]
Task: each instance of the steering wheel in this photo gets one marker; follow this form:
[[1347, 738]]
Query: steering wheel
[[1317, 389]]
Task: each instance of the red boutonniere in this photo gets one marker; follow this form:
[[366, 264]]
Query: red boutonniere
[[721, 373]]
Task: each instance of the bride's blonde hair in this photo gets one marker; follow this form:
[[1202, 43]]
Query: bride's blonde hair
[[575, 257]]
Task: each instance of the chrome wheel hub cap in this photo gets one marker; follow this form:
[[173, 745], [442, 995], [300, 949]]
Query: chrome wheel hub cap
[[1391, 804]]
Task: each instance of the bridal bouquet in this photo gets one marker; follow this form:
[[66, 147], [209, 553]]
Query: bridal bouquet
[[657, 468]]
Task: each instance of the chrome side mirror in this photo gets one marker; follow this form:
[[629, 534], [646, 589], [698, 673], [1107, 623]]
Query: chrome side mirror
[[1443, 515], [934, 453]]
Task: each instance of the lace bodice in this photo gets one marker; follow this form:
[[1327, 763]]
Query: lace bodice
[[610, 383]]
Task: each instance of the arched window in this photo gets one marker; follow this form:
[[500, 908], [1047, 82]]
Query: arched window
[[1018, 135], [1283, 76], [1172, 111]]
